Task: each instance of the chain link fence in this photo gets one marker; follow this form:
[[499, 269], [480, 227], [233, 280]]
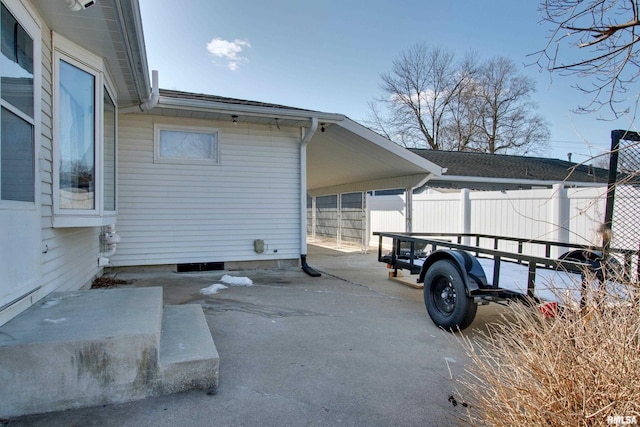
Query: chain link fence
[[621, 233]]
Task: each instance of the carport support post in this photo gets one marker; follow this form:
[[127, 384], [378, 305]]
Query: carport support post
[[408, 210]]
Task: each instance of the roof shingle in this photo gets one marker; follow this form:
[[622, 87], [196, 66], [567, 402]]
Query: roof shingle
[[484, 165]]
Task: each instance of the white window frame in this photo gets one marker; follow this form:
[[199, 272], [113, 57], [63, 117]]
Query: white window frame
[[157, 158], [27, 19], [65, 50], [107, 88]]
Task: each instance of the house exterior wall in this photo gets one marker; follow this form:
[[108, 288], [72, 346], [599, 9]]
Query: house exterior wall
[[69, 259], [69, 255], [197, 213]]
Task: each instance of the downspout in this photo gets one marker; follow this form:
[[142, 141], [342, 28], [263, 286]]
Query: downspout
[[303, 198], [149, 103]]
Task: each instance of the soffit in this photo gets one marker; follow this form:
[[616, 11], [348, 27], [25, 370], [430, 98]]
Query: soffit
[[111, 29]]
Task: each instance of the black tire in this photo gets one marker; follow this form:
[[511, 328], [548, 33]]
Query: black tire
[[445, 297]]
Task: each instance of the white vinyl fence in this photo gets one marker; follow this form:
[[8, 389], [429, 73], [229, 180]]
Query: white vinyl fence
[[572, 215]]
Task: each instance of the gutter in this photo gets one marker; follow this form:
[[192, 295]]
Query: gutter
[[129, 21], [537, 182], [248, 110], [303, 198], [150, 103]]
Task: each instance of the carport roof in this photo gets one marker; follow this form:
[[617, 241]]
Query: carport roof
[[342, 156]]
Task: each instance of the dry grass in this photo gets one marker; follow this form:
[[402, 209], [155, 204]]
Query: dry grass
[[573, 370]]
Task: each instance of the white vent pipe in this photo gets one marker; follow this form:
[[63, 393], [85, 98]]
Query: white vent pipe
[[110, 239]]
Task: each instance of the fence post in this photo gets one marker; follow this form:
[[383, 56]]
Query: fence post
[[314, 223], [465, 215], [339, 215], [559, 218], [364, 221], [408, 207]]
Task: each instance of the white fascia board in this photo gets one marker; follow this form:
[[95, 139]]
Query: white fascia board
[[375, 138], [458, 178], [133, 39], [408, 181], [249, 110]]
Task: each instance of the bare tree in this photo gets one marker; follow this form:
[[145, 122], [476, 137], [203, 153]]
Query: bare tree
[[416, 95], [606, 33], [505, 114], [432, 100], [461, 127]]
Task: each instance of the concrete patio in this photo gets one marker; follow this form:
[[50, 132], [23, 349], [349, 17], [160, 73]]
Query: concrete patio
[[348, 348]]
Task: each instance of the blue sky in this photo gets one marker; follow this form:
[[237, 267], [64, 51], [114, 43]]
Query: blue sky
[[328, 55]]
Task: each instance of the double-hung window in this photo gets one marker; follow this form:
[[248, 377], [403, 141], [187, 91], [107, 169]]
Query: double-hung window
[[84, 139], [18, 114]]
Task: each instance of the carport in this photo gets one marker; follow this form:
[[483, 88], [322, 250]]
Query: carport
[[345, 160]]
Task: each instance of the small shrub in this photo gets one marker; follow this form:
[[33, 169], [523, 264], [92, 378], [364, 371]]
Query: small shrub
[[576, 369]]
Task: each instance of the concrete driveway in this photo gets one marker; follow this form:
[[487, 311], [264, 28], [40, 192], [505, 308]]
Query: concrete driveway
[[349, 348]]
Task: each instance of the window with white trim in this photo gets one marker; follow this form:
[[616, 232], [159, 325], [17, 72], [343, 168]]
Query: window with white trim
[[186, 144], [84, 139], [17, 114]]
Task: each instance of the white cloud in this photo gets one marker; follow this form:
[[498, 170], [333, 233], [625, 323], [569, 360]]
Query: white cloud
[[229, 50]]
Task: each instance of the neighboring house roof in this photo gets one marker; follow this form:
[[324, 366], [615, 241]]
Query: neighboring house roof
[[508, 171]]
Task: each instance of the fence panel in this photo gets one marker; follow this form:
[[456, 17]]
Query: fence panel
[[437, 213], [327, 217], [586, 214], [386, 213], [353, 223], [570, 215]]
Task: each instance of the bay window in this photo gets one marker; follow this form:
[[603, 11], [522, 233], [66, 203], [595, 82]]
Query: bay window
[[84, 139]]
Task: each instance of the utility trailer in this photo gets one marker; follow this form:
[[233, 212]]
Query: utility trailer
[[457, 277]]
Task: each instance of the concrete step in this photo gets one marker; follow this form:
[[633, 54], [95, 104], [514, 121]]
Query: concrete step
[[84, 348], [188, 356], [96, 347]]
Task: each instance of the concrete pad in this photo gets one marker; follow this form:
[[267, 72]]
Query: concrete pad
[[349, 348], [188, 356]]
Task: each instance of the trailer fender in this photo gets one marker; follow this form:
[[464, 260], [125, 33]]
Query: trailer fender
[[601, 266], [469, 267]]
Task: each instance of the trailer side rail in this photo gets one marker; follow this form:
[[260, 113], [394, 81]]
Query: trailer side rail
[[401, 257]]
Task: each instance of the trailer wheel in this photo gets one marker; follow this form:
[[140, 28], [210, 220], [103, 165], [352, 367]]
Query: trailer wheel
[[445, 297]]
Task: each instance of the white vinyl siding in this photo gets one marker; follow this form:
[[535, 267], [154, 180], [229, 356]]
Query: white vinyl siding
[[69, 259], [176, 213]]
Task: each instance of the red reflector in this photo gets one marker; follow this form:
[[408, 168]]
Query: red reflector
[[549, 309]]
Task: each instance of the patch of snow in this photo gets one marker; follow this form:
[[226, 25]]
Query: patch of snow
[[213, 289], [50, 302], [236, 281], [54, 321]]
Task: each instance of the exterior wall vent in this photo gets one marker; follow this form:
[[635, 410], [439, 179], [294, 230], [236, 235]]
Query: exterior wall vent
[[200, 266]]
